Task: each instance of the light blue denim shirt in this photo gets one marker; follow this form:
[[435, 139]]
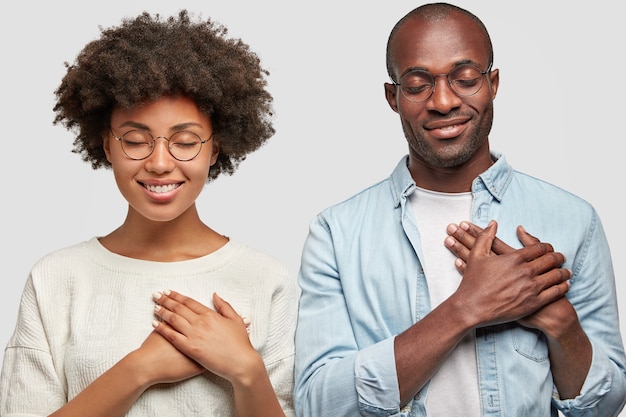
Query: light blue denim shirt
[[363, 283]]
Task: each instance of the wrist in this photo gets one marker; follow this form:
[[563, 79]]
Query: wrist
[[248, 373], [462, 312], [559, 322], [137, 369]]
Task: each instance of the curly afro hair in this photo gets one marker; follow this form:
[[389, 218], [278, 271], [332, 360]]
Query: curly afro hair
[[149, 57]]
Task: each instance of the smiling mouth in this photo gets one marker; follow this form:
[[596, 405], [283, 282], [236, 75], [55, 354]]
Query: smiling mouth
[[161, 188], [451, 122], [447, 127]]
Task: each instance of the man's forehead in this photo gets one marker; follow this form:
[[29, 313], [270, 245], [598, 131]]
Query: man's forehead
[[420, 42]]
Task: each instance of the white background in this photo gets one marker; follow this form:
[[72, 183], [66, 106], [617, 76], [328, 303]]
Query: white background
[[558, 116]]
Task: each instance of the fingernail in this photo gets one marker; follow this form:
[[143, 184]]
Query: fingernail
[[156, 295], [464, 226], [452, 228], [157, 308], [167, 292], [155, 323], [246, 321]]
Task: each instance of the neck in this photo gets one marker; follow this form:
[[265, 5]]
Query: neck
[[185, 237], [456, 179]]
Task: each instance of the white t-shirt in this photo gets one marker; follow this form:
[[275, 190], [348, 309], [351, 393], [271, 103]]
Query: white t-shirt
[[453, 390]]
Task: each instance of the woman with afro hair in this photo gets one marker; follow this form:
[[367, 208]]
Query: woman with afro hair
[[163, 316]]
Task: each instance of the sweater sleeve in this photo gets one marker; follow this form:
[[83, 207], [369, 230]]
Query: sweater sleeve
[[30, 384], [279, 355]]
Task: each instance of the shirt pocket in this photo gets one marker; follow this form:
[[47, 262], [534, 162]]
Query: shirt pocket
[[530, 343]]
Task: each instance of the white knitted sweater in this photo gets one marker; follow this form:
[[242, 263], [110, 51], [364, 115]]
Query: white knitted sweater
[[84, 308]]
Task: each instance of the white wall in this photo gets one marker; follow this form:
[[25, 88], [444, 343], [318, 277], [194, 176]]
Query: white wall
[[558, 116]]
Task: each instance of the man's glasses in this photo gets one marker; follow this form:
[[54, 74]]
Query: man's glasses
[[464, 80], [139, 144]]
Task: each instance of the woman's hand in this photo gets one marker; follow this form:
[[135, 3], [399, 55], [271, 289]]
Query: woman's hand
[[216, 339], [163, 363]]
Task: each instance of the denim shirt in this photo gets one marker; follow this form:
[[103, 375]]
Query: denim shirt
[[363, 283]]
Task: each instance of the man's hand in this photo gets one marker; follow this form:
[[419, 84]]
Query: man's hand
[[569, 346], [501, 284]]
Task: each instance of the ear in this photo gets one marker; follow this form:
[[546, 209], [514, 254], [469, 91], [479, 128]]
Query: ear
[[391, 94], [494, 78], [215, 151], [106, 145]]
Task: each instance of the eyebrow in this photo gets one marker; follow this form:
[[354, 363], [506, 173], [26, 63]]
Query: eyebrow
[[456, 64], [175, 128]]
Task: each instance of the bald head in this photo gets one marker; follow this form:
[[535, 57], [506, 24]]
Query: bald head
[[435, 13]]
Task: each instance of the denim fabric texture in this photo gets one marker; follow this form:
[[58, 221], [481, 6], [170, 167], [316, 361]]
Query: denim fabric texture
[[362, 284]]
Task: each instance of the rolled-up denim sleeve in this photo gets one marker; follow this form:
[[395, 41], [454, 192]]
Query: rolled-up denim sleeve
[[376, 380], [593, 294], [334, 376], [602, 393]]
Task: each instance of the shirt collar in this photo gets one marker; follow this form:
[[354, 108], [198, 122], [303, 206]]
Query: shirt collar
[[495, 179]]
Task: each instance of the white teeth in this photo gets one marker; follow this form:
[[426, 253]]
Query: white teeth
[[161, 188]]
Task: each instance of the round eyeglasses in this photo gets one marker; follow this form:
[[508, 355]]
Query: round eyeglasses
[[465, 80], [139, 144]]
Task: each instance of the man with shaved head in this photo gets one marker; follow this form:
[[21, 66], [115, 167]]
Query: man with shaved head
[[411, 306]]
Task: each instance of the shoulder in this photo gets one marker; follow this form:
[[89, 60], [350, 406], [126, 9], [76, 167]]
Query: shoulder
[[59, 258], [549, 192], [503, 179], [255, 263], [256, 257], [53, 275], [381, 197], [362, 202]]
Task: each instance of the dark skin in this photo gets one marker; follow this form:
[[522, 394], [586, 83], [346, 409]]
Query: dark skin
[[190, 338], [567, 342], [448, 144], [447, 135]]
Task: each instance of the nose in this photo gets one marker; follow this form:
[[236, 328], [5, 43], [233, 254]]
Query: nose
[[160, 160], [443, 99]]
